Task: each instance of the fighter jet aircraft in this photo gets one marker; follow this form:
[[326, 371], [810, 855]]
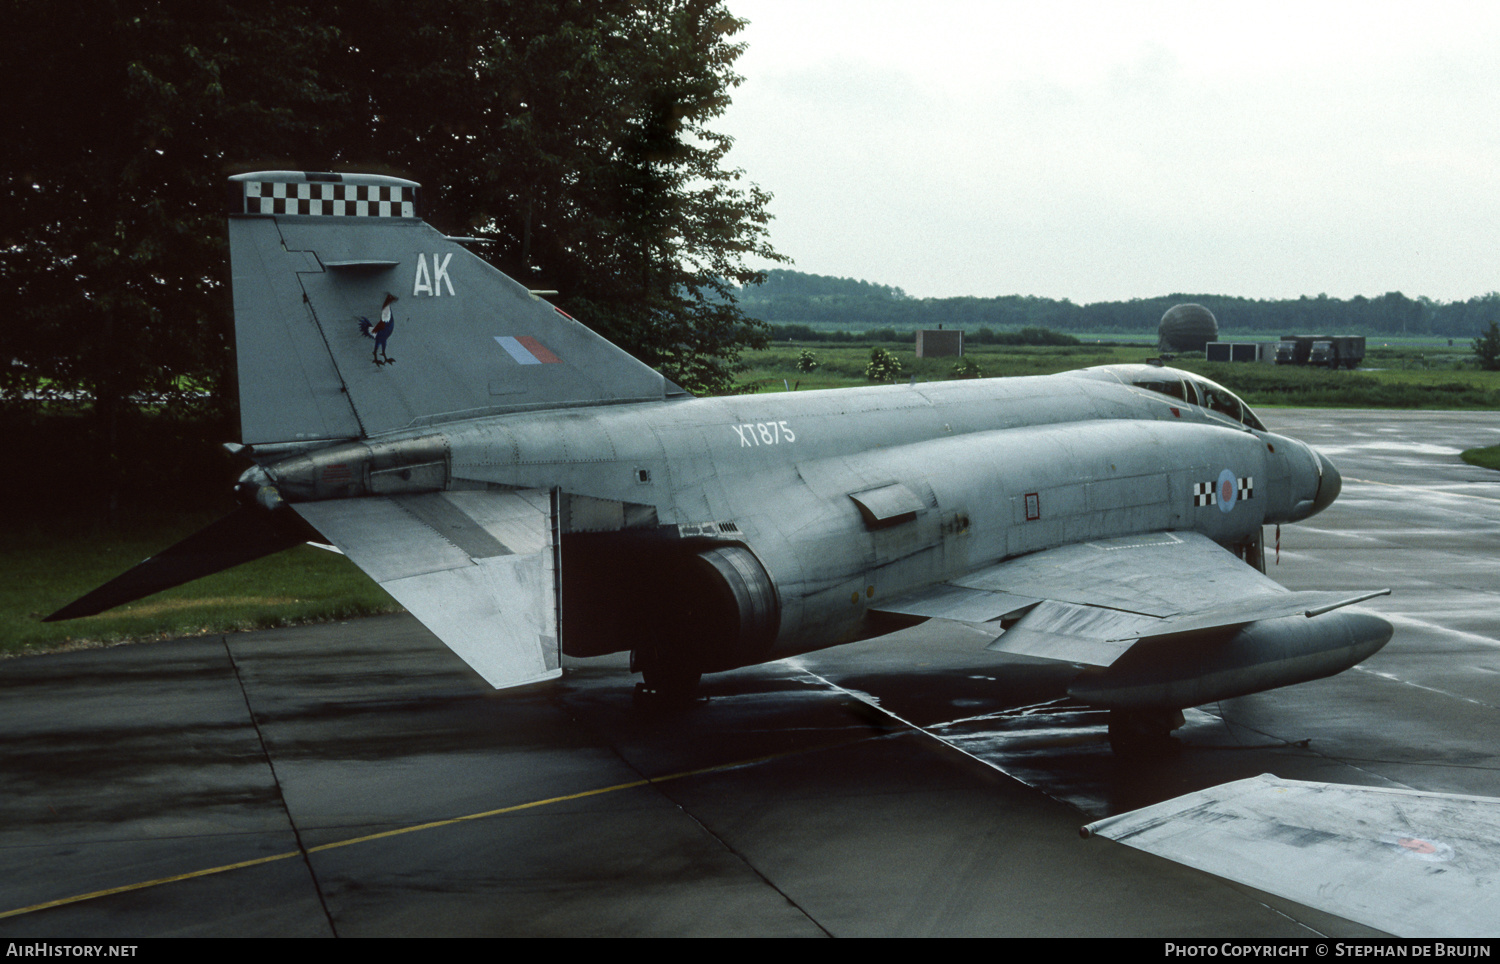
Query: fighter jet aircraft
[[527, 489]]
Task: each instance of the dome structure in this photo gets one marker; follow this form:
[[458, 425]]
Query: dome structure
[[1187, 327]]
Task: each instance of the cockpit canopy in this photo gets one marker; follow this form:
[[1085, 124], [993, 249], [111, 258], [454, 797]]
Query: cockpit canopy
[[1181, 385]]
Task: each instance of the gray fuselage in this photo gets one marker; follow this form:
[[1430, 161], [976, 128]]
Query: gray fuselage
[[849, 497]]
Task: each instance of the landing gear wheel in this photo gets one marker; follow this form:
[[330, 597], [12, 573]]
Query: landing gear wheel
[[1137, 733]]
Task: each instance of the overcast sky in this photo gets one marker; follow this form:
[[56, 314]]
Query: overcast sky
[[1100, 151]]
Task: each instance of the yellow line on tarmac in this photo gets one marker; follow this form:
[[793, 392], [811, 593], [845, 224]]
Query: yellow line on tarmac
[[144, 884], [647, 781]]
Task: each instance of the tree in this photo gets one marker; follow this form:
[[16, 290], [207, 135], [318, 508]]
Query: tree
[[967, 368], [113, 244], [1487, 348], [883, 366], [575, 135]]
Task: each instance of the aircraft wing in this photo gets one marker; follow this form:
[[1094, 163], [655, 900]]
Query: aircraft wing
[[1412, 863], [1090, 602], [475, 567]]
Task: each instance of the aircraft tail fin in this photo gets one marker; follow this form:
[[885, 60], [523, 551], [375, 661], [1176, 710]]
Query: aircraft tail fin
[[353, 317]]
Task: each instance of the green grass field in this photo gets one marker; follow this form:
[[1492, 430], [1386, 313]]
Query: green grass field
[[42, 570], [843, 366], [1488, 457], [1399, 378]]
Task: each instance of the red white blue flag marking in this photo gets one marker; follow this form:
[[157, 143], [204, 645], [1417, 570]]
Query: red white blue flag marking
[[526, 350]]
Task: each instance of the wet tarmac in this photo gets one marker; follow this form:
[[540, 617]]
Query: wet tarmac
[[358, 780]]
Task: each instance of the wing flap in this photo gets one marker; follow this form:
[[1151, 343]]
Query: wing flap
[[476, 568], [1076, 634]]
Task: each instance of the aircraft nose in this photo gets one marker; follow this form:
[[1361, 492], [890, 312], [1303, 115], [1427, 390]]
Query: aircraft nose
[[1313, 482], [1330, 484]]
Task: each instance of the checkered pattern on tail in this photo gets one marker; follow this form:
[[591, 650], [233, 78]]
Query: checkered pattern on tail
[[333, 199], [1203, 493], [1246, 488]]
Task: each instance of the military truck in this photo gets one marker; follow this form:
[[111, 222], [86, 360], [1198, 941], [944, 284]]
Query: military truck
[[1326, 351], [1346, 352]]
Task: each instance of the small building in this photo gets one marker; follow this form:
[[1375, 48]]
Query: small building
[[1240, 351], [940, 343]]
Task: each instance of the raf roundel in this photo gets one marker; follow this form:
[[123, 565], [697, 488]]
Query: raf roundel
[[1227, 490]]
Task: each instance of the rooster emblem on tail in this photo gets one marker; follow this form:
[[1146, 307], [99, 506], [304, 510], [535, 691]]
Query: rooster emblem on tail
[[381, 331]]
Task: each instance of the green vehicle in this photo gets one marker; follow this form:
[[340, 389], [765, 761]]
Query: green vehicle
[[1325, 351]]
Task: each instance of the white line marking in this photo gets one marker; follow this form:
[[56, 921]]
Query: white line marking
[[1403, 619], [1431, 689], [1430, 489]]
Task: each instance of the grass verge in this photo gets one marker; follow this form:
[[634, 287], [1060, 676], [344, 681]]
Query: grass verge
[[42, 570], [1488, 457], [1404, 379]]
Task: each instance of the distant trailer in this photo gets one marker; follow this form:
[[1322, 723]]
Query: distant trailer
[[940, 343], [1234, 351]]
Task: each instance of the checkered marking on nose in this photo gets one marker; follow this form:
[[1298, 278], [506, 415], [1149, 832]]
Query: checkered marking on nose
[[1205, 493]]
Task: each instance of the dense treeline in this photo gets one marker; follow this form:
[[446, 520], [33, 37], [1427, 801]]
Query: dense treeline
[[791, 297], [982, 336], [576, 137]]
